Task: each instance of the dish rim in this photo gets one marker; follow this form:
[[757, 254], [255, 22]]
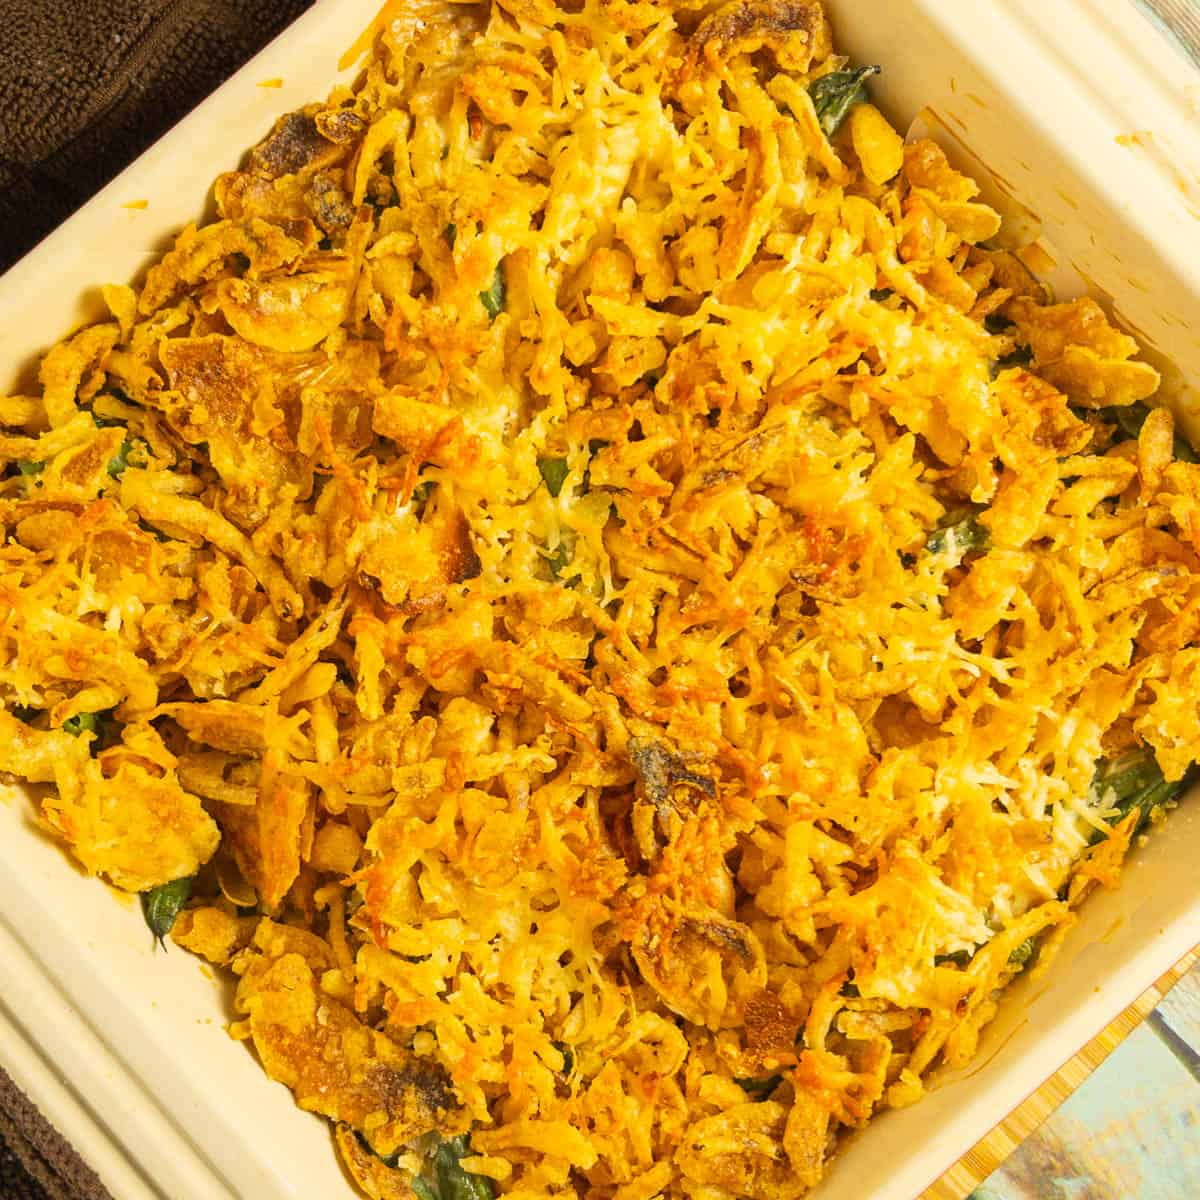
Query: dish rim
[[83, 1109]]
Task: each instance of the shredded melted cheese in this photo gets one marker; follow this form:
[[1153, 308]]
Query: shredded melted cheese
[[567, 562]]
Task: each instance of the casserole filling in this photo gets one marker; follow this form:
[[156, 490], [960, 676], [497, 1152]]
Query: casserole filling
[[594, 590]]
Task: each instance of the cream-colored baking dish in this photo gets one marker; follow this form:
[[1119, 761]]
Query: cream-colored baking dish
[[1085, 117]]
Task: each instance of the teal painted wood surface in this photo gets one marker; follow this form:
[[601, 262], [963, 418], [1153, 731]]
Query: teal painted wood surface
[[1132, 1130]]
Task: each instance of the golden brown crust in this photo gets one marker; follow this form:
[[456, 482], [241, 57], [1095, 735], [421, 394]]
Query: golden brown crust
[[615, 594]]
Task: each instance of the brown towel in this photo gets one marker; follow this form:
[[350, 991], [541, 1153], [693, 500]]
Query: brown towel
[[35, 1162], [86, 85]]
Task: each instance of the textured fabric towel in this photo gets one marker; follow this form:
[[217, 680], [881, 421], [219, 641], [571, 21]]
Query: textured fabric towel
[[86, 85], [35, 1162]]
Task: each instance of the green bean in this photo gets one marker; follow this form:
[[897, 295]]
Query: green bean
[[100, 725], [1135, 783], [494, 298], [161, 905], [959, 958], [568, 1057], [835, 94], [1128, 775], [83, 723], [1024, 955], [454, 1182], [31, 468], [960, 534], [1129, 419], [554, 472], [120, 460], [559, 559]]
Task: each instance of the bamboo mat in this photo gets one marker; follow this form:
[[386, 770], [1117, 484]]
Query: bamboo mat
[[987, 1154]]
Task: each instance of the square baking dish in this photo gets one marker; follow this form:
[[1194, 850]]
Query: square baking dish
[[1084, 125]]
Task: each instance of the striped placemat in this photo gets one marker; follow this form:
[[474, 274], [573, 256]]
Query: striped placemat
[[975, 1166], [1180, 19]]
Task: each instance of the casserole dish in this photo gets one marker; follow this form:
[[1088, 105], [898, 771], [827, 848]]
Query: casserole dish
[[159, 1079]]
